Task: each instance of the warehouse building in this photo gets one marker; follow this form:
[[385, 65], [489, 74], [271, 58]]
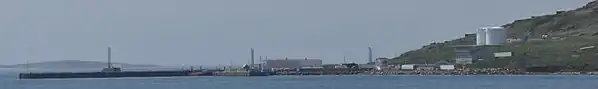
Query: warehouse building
[[293, 63]]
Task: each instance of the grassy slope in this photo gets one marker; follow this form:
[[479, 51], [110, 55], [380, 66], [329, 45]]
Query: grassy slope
[[578, 28]]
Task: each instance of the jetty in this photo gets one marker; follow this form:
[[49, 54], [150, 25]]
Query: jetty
[[112, 72]]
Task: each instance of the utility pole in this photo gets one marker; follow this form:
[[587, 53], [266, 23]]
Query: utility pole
[[110, 57], [27, 65], [260, 64], [344, 59], [27, 60]]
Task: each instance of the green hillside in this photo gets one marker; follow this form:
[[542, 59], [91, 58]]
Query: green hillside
[[569, 31]]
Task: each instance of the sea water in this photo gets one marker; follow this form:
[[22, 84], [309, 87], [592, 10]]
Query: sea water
[[10, 81]]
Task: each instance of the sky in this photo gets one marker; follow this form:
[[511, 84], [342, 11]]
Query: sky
[[211, 32]]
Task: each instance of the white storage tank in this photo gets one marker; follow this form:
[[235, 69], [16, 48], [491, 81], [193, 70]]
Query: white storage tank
[[481, 36], [496, 36]]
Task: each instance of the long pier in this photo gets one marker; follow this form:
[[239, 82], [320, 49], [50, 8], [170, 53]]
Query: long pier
[[137, 74]]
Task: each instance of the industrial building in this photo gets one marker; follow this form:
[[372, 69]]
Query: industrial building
[[292, 63], [481, 36], [487, 39], [463, 54], [491, 36], [496, 36], [381, 63]]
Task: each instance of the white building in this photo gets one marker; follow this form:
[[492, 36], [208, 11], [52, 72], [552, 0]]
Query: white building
[[496, 36], [491, 36], [481, 36], [408, 67]]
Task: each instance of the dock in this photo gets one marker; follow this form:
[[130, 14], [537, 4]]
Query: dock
[[113, 72]]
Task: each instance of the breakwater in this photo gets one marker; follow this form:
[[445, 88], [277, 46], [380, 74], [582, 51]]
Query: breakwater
[[495, 71], [140, 74]]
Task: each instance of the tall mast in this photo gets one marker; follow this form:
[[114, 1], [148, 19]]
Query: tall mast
[[252, 59], [370, 55], [344, 59], [261, 64], [27, 65], [27, 60], [109, 57]]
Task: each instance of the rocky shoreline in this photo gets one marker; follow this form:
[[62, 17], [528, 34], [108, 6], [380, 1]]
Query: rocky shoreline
[[473, 73]]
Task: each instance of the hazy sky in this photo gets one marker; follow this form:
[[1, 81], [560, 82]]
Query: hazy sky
[[174, 32]]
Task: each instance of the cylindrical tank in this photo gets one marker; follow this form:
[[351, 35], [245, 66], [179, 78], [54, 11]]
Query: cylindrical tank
[[496, 35], [481, 36]]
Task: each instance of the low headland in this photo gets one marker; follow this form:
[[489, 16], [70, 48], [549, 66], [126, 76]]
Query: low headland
[[566, 38]]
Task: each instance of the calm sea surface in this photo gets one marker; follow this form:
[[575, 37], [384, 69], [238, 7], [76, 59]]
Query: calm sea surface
[[10, 81]]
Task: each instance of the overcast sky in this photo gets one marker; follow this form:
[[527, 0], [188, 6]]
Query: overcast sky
[[210, 32]]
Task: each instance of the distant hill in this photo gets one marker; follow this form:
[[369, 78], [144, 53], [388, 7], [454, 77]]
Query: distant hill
[[4, 66], [69, 64], [568, 31]]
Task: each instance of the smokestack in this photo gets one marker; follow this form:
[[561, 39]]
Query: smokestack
[[109, 57], [370, 55], [252, 59]]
